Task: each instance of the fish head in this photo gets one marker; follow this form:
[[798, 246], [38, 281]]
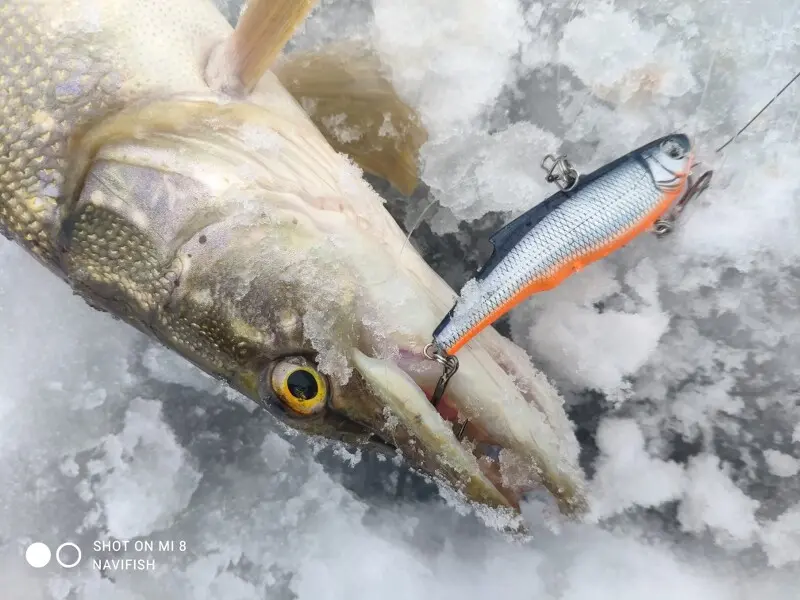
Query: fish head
[[282, 273], [670, 161]]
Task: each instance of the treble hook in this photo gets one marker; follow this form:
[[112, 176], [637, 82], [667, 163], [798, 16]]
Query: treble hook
[[449, 367], [666, 224]]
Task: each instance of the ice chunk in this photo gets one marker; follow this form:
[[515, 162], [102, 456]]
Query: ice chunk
[[137, 461], [627, 475], [781, 538], [732, 220], [473, 174], [596, 346], [630, 59], [780, 464], [713, 502], [449, 60], [470, 170]]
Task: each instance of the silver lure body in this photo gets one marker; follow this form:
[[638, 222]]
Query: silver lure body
[[568, 231]]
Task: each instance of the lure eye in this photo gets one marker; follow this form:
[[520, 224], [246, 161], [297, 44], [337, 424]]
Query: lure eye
[[299, 386], [673, 149]]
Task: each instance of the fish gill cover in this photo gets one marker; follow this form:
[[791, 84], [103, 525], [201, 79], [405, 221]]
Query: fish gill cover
[[679, 358]]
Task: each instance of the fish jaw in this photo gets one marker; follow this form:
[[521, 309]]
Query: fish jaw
[[499, 423], [408, 421], [464, 452]]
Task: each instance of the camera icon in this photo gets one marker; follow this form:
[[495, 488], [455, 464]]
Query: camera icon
[[68, 555]]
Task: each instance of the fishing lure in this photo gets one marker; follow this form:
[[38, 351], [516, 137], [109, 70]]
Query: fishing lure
[[591, 217], [588, 219]]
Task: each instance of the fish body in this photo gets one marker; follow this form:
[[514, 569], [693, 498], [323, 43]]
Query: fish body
[[570, 230], [151, 160]]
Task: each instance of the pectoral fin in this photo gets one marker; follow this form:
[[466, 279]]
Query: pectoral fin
[[355, 106]]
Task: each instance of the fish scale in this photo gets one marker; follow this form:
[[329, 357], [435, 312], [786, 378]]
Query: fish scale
[[591, 219]]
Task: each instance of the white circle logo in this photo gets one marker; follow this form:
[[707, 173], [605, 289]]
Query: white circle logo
[[37, 555], [65, 564]]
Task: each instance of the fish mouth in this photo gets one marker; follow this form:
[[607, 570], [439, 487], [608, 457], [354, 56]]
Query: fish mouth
[[484, 438], [468, 432], [426, 437]]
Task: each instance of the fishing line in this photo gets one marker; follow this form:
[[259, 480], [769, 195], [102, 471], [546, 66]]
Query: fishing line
[[775, 97], [704, 94], [417, 224]]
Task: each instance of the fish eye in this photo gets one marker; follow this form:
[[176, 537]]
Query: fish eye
[[299, 386], [673, 149]]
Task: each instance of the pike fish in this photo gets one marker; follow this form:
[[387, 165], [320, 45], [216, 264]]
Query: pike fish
[[204, 186]]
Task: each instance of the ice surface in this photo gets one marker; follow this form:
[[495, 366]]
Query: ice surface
[[780, 464], [610, 51], [132, 467], [781, 538], [694, 338], [627, 475], [452, 61], [712, 501]]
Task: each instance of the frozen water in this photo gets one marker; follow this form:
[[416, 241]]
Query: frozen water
[[780, 464], [781, 538], [599, 348], [680, 356], [627, 475], [473, 171], [611, 53], [133, 465], [712, 501]]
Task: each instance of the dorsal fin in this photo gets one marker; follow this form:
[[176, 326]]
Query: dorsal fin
[[263, 30]]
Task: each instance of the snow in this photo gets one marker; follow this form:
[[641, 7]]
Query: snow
[[617, 58], [713, 502], [627, 475], [468, 298], [781, 464], [474, 170], [781, 538], [452, 84], [134, 463], [481, 36], [693, 341], [598, 348]]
